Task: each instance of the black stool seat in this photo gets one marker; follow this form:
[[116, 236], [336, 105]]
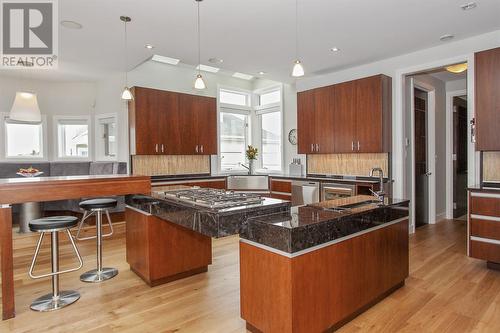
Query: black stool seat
[[98, 203], [53, 222]]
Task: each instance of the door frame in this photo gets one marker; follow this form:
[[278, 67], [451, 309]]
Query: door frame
[[449, 149], [431, 152]]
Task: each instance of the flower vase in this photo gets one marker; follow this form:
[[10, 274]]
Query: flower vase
[[251, 167]]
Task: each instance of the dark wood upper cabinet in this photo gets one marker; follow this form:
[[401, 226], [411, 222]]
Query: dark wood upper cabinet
[[169, 123], [349, 117], [487, 99]]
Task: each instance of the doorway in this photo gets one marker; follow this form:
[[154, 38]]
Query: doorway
[[459, 156], [420, 139]]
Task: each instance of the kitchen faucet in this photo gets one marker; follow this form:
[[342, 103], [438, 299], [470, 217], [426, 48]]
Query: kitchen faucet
[[380, 194], [246, 167]]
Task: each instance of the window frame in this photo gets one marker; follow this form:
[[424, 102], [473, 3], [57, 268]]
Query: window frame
[[56, 120], [3, 148], [99, 148]]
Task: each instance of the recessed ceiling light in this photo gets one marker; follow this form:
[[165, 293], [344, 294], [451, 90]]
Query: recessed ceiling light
[[149, 46], [469, 6], [243, 76], [335, 49], [216, 60], [262, 73], [71, 24], [446, 37], [206, 68], [165, 60]]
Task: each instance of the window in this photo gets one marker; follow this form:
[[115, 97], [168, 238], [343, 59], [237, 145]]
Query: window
[[271, 97], [271, 140], [23, 141], [233, 97], [106, 134], [72, 137], [233, 140]]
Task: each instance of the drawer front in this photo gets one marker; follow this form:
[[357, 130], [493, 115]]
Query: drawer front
[[281, 196], [485, 227], [281, 186], [485, 204], [485, 251]]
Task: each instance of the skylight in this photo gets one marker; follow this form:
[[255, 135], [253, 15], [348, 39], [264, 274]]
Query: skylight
[[165, 60]]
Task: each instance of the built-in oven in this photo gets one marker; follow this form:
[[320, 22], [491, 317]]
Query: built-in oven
[[331, 191]]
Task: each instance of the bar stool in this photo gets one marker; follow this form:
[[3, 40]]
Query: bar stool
[[53, 225], [97, 207]]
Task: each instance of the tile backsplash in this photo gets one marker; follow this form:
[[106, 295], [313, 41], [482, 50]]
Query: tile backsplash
[[161, 165], [347, 164], [491, 166]]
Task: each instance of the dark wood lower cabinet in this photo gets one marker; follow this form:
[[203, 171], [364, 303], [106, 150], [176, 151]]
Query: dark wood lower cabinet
[[159, 251], [320, 290]]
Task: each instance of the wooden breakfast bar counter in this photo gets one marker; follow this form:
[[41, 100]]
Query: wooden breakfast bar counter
[[21, 190]]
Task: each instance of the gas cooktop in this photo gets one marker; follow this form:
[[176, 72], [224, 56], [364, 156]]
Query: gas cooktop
[[211, 198]]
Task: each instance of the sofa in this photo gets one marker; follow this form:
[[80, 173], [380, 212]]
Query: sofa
[[8, 170]]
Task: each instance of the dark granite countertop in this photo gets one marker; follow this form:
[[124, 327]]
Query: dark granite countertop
[[485, 187], [209, 222], [308, 226]]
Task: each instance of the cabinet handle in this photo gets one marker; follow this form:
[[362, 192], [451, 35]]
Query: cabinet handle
[[358, 145], [312, 146], [196, 148], [162, 148], [317, 148], [156, 147], [352, 145], [201, 149]]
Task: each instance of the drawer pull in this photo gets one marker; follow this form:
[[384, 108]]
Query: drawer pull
[[485, 217], [485, 240]]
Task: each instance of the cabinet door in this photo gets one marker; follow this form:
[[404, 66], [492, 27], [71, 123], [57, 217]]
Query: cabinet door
[[324, 121], [306, 122], [369, 124], [145, 118], [187, 123], [205, 109], [168, 119], [344, 117], [487, 99]]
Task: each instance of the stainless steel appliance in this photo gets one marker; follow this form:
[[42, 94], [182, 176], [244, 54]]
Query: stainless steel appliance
[[253, 183], [331, 191], [304, 192], [211, 198]]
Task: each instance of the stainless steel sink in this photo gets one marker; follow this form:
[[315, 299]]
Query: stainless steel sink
[[248, 183]]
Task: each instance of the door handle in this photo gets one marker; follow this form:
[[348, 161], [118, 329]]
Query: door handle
[[317, 148], [196, 148], [162, 148], [156, 147], [312, 146], [358, 145], [352, 145], [428, 173], [201, 149]]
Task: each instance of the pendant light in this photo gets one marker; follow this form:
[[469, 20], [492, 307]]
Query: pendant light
[[126, 94], [25, 107], [198, 82], [297, 70]]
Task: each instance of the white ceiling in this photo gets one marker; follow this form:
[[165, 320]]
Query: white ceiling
[[446, 76], [258, 35]]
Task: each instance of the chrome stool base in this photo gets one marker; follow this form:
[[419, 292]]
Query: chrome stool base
[[49, 303], [95, 276]]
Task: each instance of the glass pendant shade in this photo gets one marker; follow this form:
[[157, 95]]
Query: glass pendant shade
[[127, 94], [25, 108], [199, 83], [297, 70], [458, 68]]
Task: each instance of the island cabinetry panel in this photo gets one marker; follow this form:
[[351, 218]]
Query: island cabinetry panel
[[159, 251], [487, 99], [281, 189], [484, 226], [324, 288], [353, 116], [170, 123]]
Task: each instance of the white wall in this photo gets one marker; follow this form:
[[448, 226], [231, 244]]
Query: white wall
[[396, 67], [54, 98]]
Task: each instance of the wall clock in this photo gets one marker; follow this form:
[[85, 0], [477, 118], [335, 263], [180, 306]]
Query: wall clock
[[292, 136]]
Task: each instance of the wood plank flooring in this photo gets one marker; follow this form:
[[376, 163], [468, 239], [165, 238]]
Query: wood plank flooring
[[446, 292]]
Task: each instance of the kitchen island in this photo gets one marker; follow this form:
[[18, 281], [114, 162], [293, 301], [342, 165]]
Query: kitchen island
[[169, 232], [316, 268]]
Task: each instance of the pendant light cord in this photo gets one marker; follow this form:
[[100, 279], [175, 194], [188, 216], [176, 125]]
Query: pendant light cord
[[199, 47], [126, 58], [296, 29]]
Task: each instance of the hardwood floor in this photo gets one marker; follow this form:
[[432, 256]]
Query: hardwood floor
[[446, 292]]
